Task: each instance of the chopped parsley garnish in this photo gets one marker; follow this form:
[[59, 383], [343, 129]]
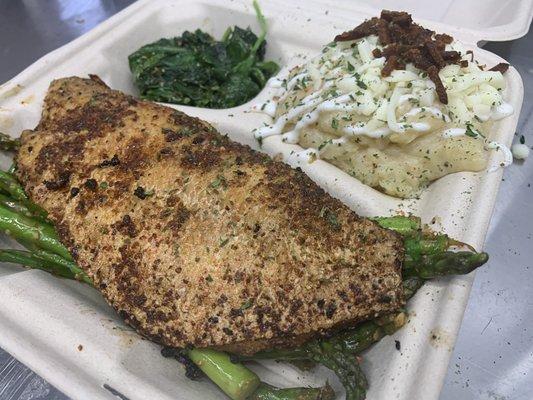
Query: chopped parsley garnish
[[331, 217], [218, 182], [246, 304], [470, 131], [324, 144]]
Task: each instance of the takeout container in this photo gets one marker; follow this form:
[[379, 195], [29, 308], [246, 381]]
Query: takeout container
[[67, 333]]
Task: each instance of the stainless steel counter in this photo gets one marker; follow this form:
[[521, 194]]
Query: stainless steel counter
[[493, 357]]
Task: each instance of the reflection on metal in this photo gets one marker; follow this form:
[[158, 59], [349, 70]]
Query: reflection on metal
[[18, 382], [115, 392], [73, 17], [31, 28]]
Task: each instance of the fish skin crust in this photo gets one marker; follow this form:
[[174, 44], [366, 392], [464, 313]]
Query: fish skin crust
[[194, 239]]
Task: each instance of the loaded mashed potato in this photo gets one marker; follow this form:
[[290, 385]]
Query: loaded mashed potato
[[393, 104]]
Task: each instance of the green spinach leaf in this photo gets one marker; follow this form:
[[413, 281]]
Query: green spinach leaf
[[197, 70]]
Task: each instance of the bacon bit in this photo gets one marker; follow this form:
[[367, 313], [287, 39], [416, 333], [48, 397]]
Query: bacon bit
[[501, 67], [390, 65], [383, 33], [366, 28], [442, 37], [433, 74], [406, 42], [399, 17], [453, 55], [435, 54], [391, 50]]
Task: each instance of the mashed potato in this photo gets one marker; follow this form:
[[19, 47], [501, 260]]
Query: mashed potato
[[390, 132]]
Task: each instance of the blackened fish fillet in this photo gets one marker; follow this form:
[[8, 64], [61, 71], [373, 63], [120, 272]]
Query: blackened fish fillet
[[197, 240]]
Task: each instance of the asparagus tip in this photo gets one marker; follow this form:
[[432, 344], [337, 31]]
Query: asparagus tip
[[481, 258]]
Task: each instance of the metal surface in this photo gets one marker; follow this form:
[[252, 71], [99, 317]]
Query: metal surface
[[493, 357]]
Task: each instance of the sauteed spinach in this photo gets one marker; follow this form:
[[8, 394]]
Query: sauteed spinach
[[197, 70]]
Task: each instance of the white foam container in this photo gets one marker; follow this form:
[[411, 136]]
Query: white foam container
[[44, 320]]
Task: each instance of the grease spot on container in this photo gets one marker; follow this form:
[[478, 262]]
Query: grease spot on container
[[115, 392], [27, 100], [439, 338], [11, 92], [490, 395], [127, 337]]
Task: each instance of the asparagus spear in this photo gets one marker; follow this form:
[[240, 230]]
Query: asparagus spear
[[402, 225], [344, 365], [267, 392], [237, 381], [21, 208], [427, 256], [426, 253], [49, 262], [75, 271], [339, 352], [10, 185], [445, 263], [30, 230], [30, 260], [352, 341]]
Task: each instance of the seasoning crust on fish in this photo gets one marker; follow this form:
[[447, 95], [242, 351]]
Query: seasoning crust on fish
[[195, 239]]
